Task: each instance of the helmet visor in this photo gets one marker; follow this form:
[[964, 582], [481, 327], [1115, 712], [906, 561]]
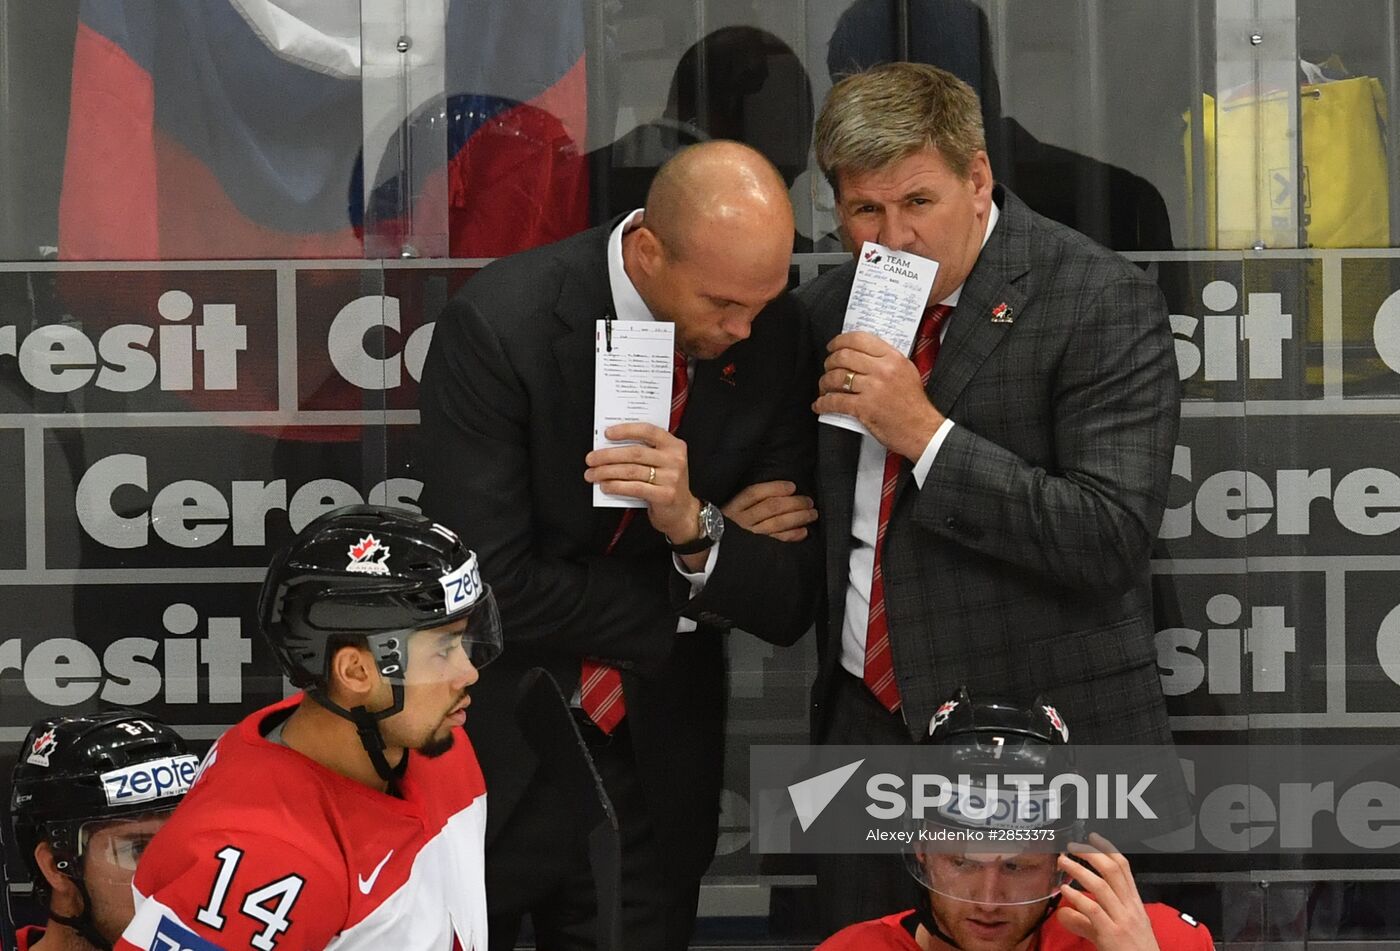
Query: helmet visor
[[436, 653], [482, 638], [988, 877], [109, 849], [466, 596], [990, 844]]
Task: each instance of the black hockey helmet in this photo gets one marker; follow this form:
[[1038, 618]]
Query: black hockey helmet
[[84, 779], [1018, 829], [993, 730], [372, 574], [377, 573], [77, 769]]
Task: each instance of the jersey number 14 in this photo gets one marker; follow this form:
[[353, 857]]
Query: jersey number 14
[[281, 895]]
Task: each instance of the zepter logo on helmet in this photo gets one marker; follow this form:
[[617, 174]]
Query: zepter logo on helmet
[[462, 587], [993, 836]]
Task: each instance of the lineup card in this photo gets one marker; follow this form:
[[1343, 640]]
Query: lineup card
[[631, 384], [887, 299]]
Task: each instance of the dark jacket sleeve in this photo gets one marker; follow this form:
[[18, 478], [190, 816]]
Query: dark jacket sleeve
[[767, 587]]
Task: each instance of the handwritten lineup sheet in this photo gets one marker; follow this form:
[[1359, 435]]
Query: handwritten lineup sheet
[[631, 384], [887, 299]]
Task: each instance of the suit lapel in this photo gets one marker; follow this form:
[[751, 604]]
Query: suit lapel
[[838, 456], [573, 353], [584, 298], [709, 410], [838, 449], [996, 279]]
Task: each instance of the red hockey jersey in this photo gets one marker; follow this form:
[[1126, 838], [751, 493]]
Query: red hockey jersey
[[271, 850], [1174, 932]]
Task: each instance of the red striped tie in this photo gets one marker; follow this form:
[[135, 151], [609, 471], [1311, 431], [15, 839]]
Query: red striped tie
[[600, 687], [879, 663]]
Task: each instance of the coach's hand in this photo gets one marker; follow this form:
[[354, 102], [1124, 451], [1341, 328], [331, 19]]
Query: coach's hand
[[772, 508], [867, 378], [655, 469]]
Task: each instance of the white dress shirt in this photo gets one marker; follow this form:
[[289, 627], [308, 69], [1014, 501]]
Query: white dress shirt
[[865, 514]]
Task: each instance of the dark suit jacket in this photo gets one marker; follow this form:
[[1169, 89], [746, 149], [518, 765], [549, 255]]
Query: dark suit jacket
[[507, 418], [1021, 566]]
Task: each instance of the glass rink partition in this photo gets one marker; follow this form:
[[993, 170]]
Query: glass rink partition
[[227, 227]]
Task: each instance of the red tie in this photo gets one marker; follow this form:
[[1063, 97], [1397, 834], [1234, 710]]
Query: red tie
[[879, 663], [600, 688]]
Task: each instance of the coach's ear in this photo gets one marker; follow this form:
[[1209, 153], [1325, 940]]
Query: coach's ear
[[65, 898], [354, 674], [979, 174]]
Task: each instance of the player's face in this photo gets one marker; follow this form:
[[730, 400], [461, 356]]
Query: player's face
[[991, 902], [714, 287], [435, 690], [920, 205], [110, 852]]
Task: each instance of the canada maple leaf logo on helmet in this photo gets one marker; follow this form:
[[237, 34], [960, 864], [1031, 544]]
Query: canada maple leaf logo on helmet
[[1057, 722], [941, 715], [369, 556], [44, 745]]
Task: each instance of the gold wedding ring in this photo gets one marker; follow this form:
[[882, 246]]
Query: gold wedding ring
[[651, 476], [850, 378]]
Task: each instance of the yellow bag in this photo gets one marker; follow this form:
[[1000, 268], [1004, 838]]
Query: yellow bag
[[1249, 188], [1345, 200]]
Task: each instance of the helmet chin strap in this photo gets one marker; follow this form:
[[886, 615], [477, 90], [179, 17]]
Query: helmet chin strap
[[924, 911], [82, 922], [367, 727]]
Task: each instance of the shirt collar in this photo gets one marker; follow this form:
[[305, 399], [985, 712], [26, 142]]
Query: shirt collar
[[627, 303], [952, 299]]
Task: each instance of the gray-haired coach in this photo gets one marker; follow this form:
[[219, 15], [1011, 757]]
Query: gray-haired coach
[[995, 532]]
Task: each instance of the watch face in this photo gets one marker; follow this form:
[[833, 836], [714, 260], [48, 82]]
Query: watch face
[[713, 520]]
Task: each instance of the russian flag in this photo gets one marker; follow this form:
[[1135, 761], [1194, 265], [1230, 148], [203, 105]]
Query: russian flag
[[211, 129]]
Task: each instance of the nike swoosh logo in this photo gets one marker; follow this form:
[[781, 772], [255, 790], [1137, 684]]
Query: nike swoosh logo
[[367, 883]]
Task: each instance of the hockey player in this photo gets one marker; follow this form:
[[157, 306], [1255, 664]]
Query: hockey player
[[86, 796], [351, 815], [1081, 899]]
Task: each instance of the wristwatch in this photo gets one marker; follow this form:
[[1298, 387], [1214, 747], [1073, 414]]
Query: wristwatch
[[711, 525]]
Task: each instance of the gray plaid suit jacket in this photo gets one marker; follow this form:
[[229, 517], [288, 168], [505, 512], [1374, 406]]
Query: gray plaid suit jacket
[[1021, 566]]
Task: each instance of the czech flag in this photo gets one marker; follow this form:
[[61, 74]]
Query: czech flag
[[232, 129]]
